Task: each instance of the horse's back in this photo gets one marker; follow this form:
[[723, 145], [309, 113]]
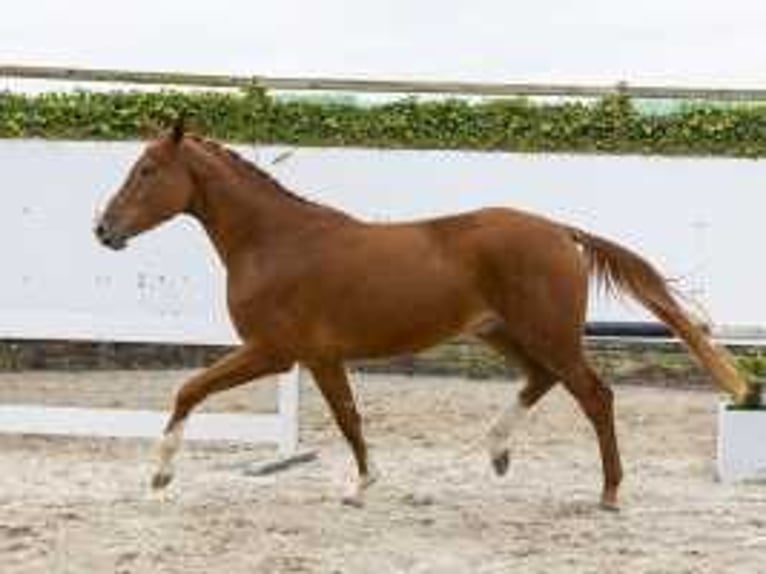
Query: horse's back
[[514, 236]]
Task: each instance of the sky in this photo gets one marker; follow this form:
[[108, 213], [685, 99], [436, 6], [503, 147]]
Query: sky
[[684, 42]]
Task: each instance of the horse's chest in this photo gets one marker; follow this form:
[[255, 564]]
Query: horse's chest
[[262, 305]]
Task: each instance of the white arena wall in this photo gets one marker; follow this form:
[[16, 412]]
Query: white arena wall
[[700, 220]]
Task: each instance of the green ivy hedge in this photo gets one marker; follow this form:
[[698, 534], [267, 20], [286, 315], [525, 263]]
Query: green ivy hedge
[[610, 125]]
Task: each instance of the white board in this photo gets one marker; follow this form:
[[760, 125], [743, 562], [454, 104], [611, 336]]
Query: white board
[[699, 220], [60, 283]]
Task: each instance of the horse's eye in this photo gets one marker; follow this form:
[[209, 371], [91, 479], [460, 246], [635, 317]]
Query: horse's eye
[[146, 170]]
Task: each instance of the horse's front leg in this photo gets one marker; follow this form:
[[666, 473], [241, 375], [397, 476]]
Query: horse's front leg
[[332, 380], [238, 367]]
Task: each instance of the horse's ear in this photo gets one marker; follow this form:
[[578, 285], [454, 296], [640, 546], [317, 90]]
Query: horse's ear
[[152, 129], [179, 127]]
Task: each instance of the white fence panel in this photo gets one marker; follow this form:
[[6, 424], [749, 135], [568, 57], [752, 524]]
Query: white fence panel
[[279, 428], [698, 219]]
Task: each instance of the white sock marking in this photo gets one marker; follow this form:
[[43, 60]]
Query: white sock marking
[[168, 447], [500, 434], [355, 493]]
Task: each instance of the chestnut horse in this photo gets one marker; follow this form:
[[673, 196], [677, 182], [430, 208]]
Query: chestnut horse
[[310, 284]]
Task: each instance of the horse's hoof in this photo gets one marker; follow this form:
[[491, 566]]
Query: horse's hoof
[[610, 505], [369, 479], [501, 462], [352, 500], [161, 479]]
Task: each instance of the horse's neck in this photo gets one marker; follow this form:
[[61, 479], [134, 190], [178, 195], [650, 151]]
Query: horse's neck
[[241, 213]]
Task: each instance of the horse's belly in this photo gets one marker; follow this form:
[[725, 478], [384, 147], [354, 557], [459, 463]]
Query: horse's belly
[[368, 301], [377, 322]]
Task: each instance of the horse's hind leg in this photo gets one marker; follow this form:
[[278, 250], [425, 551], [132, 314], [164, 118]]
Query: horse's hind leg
[[332, 380], [238, 367], [539, 380], [568, 364], [596, 400]]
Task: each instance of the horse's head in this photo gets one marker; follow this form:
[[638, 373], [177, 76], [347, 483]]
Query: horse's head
[[158, 186]]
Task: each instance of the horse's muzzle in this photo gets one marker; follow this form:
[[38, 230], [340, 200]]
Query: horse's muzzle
[[110, 237]]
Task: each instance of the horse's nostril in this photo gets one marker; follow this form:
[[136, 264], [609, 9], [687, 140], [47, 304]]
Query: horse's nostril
[[109, 236], [103, 232]]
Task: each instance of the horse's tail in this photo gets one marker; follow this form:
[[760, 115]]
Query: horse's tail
[[619, 269]]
